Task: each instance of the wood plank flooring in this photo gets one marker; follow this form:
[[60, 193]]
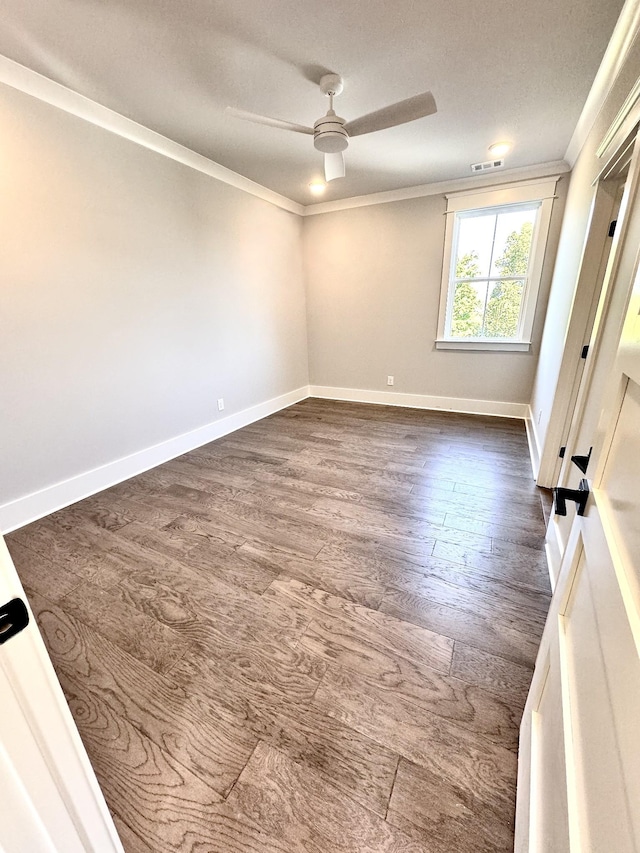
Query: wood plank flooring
[[315, 635]]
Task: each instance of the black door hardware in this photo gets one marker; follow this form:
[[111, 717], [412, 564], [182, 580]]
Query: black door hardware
[[582, 461], [14, 616], [579, 495]]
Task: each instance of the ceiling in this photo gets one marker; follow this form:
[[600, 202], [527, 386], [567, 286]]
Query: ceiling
[[500, 70]]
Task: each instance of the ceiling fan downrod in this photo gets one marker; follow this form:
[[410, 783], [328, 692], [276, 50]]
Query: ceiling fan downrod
[[329, 135]]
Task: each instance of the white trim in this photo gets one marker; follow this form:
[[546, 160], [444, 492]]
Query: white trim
[[31, 83], [618, 165], [31, 507], [571, 763], [553, 552], [542, 191], [542, 170], [615, 56], [625, 121], [484, 345], [519, 192], [463, 405], [533, 442]]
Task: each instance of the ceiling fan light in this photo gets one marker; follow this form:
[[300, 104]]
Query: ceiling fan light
[[329, 135], [499, 149], [330, 142]]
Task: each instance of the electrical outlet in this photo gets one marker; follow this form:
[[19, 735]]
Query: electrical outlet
[[389, 380], [220, 404]]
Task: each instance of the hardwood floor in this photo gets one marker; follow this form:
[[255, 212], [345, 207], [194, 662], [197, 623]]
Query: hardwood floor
[[315, 635]]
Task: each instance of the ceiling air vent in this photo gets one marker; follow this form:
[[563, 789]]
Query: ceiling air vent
[[488, 164]]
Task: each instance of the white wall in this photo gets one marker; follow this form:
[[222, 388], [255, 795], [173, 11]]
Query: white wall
[[373, 288], [570, 249], [134, 292]]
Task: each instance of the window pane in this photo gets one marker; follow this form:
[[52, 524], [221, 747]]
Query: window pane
[[475, 239], [468, 309], [503, 309], [514, 230], [491, 244]]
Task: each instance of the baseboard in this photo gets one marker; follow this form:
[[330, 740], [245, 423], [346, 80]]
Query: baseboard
[[535, 450], [24, 510], [31, 507], [421, 401]]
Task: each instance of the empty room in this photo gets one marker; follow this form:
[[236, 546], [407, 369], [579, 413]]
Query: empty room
[[320, 434]]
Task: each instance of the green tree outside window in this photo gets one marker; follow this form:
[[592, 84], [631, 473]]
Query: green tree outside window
[[467, 306], [502, 312], [503, 307]]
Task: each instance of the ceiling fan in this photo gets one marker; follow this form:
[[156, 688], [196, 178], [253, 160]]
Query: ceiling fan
[[331, 133]]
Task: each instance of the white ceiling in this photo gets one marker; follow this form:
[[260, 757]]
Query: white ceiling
[[499, 70]]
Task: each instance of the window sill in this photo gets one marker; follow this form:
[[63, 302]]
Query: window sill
[[491, 346]]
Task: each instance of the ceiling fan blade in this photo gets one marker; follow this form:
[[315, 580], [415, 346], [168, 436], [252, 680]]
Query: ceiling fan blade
[[418, 106], [333, 166], [270, 122]]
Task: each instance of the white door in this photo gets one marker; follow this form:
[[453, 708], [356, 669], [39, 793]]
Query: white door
[[50, 799], [579, 762]]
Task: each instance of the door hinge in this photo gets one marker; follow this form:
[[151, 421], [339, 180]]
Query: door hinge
[[582, 461], [612, 227], [579, 495], [585, 351], [563, 450]]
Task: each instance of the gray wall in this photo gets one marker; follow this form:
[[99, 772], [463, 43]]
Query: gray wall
[[134, 292], [373, 289]]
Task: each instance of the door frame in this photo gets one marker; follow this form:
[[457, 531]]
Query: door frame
[[596, 248], [609, 319], [612, 151]]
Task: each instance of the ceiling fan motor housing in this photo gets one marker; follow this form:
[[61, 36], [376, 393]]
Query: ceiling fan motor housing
[[329, 135]]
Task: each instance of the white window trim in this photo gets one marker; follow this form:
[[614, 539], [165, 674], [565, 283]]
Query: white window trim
[[539, 190]]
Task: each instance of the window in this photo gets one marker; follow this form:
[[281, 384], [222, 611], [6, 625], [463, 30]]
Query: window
[[494, 250]]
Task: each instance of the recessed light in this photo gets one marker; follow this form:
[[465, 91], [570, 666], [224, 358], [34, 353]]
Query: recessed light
[[499, 149], [317, 187]]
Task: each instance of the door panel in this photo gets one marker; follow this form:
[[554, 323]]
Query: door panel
[[620, 481], [622, 664], [550, 825], [49, 796], [26, 825], [602, 808]]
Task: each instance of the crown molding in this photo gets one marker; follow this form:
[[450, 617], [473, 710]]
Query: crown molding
[[620, 43], [32, 83], [55, 94], [524, 173], [623, 124]]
